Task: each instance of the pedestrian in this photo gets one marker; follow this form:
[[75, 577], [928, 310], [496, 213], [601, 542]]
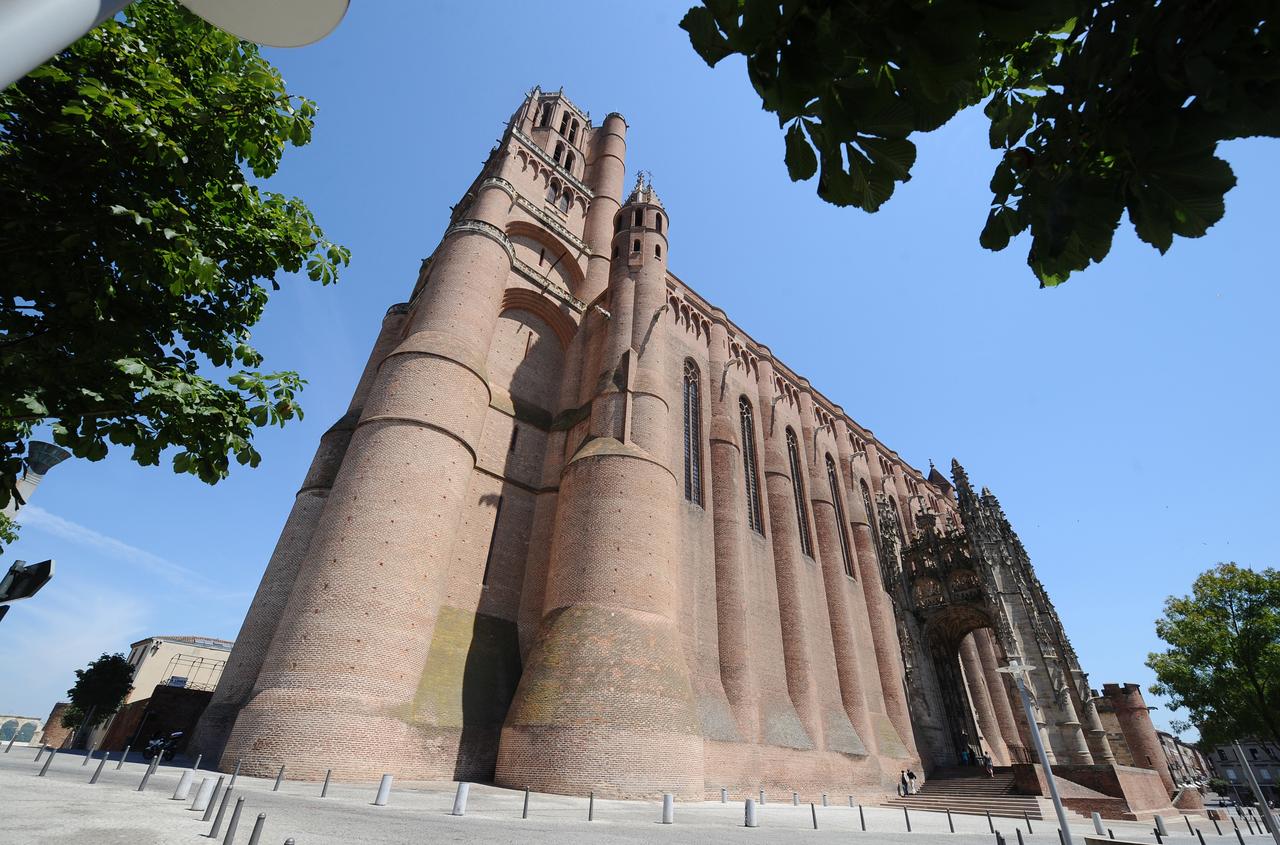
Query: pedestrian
[[964, 756], [904, 785], [911, 781], [986, 764]]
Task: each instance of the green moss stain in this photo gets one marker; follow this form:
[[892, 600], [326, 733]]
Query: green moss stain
[[472, 671]]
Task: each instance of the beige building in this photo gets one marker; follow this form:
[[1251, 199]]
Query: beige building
[[177, 661], [1263, 758]]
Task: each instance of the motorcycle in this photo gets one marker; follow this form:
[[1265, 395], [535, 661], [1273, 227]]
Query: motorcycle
[[166, 746]]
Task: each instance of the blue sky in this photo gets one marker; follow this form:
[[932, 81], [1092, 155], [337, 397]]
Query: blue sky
[[1125, 420]]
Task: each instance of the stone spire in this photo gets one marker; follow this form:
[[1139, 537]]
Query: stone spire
[[643, 191]]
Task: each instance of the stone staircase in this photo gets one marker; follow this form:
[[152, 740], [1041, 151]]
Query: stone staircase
[[969, 790]]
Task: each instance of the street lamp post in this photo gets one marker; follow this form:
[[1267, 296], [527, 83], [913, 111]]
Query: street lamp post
[[1019, 671], [1264, 808], [33, 31]]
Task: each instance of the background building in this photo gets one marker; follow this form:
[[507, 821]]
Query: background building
[[1263, 757], [20, 729]]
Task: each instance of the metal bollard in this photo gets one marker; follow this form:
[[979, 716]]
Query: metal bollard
[[824, 799], [88, 757], [795, 799], [230, 838], [184, 786], [1097, 823], [668, 808], [1111, 834], [460, 799], [999, 838], [1200, 836], [862, 820], [123, 755], [1160, 826], [213, 800], [40, 753], [749, 814], [146, 776], [1027, 819], [12, 740], [591, 807], [1249, 822], [1190, 829], [384, 792], [762, 797], [52, 753], [906, 815], [222, 809], [1239, 835], [850, 802], [1216, 826], [257, 829], [814, 812], [524, 813], [990, 825], [1018, 831], [724, 795], [279, 779], [97, 773], [234, 774], [289, 841], [950, 824], [203, 794], [199, 757], [325, 788]]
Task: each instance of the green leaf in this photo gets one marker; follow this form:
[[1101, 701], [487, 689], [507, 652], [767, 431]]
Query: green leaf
[[705, 35], [801, 161]]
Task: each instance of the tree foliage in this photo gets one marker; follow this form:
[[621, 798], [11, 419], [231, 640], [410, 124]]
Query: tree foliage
[[100, 689], [1101, 107], [135, 247], [1223, 660]]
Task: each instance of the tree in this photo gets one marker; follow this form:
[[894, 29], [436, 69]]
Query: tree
[[1101, 106], [99, 690], [1223, 661], [134, 247]]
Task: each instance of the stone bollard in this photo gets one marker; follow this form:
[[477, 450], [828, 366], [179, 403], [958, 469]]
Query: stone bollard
[[97, 773], [762, 797], [1026, 818], [951, 825], [668, 808], [862, 820], [279, 779], [235, 774], [213, 800], [40, 753], [384, 792], [203, 794], [906, 815], [146, 776], [724, 795], [123, 755], [460, 800], [850, 802], [230, 838], [524, 812], [749, 812], [1160, 826], [88, 757], [813, 811], [222, 810], [257, 829], [795, 799], [324, 790], [1097, 824], [289, 841], [591, 807], [184, 786], [52, 753], [824, 799]]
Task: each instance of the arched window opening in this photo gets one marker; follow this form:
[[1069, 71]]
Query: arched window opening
[[547, 111], [692, 434], [564, 124], [657, 250], [559, 154], [573, 131], [565, 200], [755, 517], [568, 161], [635, 246], [842, 527], [637, 219], [553, 190], [797, 491], [658, 221]]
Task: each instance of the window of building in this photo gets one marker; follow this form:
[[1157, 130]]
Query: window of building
[[692, 434], [547, 111], [833, 478], [755, 517], [637, 217], [1253, 753], [657, 219], [573, 131], [657, 250], [177, 681], [797, 492], [565, 200], [635, 246], [553, 190], [559, 154], [564, 124], [568, 161]]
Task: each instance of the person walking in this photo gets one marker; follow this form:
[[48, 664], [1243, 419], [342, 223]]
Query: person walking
[[911, 781], [986, 764], [904, 785]]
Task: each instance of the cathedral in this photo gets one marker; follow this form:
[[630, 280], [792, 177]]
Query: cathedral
[[577, 531]]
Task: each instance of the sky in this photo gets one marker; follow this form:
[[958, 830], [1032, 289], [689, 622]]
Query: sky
[[1125, 420]]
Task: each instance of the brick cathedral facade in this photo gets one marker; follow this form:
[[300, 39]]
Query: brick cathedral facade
[[578, 531]]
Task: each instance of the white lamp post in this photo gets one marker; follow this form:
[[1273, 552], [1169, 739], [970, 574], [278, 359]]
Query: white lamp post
[[1019, 671], [31, 31]]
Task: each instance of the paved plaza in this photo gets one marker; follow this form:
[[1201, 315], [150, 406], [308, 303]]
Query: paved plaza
[[63, 808]]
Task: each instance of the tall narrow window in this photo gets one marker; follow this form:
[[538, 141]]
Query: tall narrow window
[[754, 516], [547, 109], [564, 124], [797, 492], [573, 131], [568, 161], [566, 199], [638, 217], [657, 219], [833, 478], [559, 154], [692, 434]]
